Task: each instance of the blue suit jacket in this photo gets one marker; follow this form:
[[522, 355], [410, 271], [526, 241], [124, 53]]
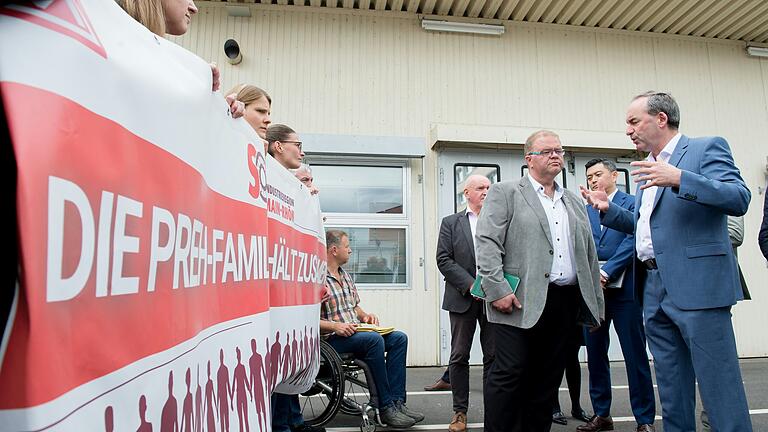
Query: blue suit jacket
[[616, 248], [689, 226]]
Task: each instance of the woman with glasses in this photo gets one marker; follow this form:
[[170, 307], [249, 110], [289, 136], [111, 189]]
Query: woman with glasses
[[284, 145]]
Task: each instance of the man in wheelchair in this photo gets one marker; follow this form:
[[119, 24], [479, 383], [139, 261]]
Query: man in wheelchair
[[340, 315]]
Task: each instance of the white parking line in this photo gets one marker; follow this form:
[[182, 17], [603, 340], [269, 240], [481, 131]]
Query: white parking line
[[448, 392], [480, 425]]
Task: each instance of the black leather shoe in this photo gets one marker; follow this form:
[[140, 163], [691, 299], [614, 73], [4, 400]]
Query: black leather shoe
[[582, 415], [559, 418]]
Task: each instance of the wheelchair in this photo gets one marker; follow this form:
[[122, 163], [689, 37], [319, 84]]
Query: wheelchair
[[344, 384]]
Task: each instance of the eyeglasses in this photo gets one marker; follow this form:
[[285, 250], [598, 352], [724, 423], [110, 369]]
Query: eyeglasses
[[548, 152], [296, 143]]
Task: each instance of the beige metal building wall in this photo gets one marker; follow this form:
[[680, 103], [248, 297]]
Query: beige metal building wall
[[378, 73]]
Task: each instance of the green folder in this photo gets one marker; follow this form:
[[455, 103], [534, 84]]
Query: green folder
[[477, 289]]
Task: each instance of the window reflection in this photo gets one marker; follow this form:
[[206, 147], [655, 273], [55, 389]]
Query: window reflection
[[360, 189], [378, 255]]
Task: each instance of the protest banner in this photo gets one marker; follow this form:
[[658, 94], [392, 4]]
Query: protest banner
[[169, 271]]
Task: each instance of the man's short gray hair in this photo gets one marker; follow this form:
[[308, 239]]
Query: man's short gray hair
[[536, 135], [662, 102], [333, 237]]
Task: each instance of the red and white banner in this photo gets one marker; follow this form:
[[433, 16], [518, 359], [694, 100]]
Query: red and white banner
[[170, 271]]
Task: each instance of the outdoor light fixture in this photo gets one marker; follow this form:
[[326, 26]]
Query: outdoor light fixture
[[238, 11], [755, 51], [460, 27]]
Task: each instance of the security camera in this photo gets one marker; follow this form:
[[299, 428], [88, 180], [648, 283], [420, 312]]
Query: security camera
[[232, 51]]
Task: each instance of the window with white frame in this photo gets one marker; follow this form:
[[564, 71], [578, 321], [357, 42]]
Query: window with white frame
[[368, 199]]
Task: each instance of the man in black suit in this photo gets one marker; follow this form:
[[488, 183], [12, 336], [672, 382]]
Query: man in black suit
[[456, 261]]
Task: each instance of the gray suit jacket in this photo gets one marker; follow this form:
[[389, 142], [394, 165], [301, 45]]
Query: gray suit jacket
[[513, 236]]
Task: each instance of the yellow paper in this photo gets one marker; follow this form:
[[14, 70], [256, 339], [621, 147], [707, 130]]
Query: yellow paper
[[370, 327]]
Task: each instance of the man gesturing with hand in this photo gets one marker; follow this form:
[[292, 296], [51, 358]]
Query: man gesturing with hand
[[685, 272]]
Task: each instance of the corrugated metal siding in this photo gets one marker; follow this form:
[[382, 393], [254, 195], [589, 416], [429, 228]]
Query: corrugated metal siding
[[380, 74], [745, 20]]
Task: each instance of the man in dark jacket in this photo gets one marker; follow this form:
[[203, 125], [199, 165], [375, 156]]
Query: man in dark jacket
[[456, 261]]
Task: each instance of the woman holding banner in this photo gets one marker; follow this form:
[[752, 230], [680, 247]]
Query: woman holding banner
[[258, 107]]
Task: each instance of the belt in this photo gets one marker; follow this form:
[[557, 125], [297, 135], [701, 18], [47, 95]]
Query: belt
[[554, 285], [650, 264]]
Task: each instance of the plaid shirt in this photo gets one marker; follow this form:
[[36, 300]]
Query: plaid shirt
[[340, 299]]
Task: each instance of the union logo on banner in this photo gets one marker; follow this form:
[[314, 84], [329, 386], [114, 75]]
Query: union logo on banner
[[66, 17], [258, 173]]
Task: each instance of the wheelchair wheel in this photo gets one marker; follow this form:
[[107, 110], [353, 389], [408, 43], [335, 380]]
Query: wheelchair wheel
[[321, 402], [367, 425], [357, 397]]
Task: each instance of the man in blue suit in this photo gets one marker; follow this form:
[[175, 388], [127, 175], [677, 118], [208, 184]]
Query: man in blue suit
[[616, 251], [684, 262]]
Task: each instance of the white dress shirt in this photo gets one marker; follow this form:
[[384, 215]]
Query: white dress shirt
[[472, 222], [472, 216], [563, 271], [643, 240]]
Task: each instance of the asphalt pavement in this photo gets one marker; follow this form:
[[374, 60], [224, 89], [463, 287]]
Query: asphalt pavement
[[437, 406]]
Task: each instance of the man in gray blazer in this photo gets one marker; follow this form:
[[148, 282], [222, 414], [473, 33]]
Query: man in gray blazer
[[456, 261], [536, 230]]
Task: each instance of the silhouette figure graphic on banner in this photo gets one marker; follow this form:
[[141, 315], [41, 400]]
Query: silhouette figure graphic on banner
[[310, 357], [210, 402], [169, 420], [186, 411], [307, 351], [286, 362], [256, 373], [223, 389], [299, 353], [296, 353], [239, 387], [109, 419], [144, 425], [274, 362], [198, 425]]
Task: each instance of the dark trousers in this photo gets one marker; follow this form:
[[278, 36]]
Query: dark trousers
[[528, 367], [286, 412], [463, 327], [572, 372], [690, 346], [627, 318]]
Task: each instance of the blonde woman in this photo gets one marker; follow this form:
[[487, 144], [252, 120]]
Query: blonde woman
[[258, 106]]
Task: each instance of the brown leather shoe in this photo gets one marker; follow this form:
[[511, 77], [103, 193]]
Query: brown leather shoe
[[646, 428], [439, 385], [458, 422], [597, 424]]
